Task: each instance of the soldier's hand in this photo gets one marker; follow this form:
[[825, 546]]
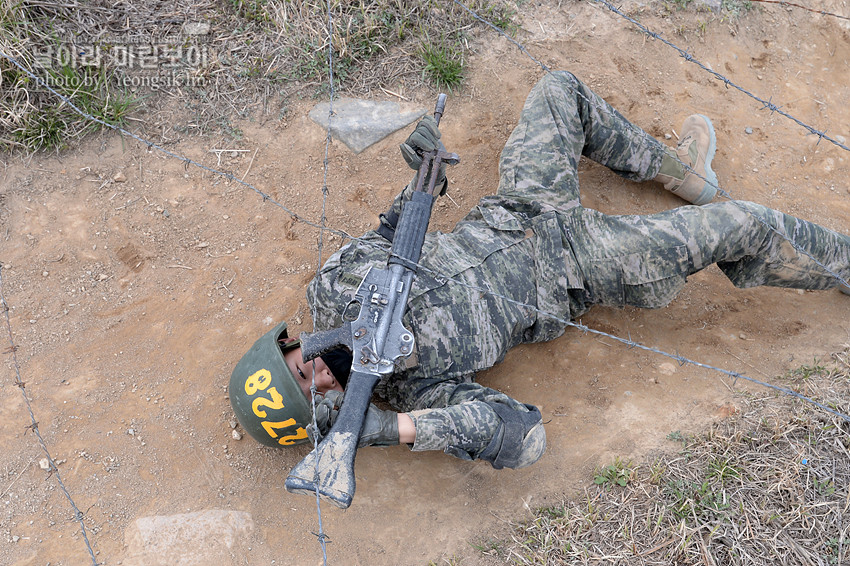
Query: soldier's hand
[[379, 429], [425, 138], [326, 412]]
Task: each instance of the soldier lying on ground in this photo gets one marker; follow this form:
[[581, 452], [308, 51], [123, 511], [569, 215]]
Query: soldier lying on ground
[[543, 259]]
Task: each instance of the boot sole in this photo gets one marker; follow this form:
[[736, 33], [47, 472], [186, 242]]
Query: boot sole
[[709, 190]]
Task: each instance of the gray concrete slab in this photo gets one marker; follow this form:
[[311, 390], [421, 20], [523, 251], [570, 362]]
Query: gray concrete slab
[[361, 123], [201, 538]]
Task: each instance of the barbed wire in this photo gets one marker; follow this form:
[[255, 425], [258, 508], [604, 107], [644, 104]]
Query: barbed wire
[[321, 536], [784, 3], [53, 468], [322, 227]]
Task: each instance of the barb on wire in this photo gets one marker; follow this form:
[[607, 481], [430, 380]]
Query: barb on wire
[[784, 3], [54, 469]]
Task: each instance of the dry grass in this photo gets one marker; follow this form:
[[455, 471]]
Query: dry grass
[[258, 53], [768, 486]]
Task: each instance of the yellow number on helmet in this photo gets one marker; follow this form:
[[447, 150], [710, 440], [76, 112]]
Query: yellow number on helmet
[[258, 380], [290, 439], [270, 426], [275, 403]]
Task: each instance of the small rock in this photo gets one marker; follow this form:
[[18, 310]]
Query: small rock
[[225, 217], [743, 336], [119, 177], [202, 245], [131, 432], [236, 434], [16, 538], [44, 464], [233, 423], [841, 139], [748, 130], [45, 273], [102, 277], [668, 136]]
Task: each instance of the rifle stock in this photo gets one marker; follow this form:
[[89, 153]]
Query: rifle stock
[[330, 466]]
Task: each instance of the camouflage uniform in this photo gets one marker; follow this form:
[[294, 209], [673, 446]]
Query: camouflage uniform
[[534, 244]]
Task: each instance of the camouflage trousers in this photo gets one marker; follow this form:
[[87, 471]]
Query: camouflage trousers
[[644, 261]]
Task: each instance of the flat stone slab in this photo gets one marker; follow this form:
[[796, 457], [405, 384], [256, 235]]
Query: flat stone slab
[[202, 538], [360, 123]]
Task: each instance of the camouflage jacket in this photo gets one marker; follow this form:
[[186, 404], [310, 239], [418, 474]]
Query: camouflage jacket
[[511, 248]]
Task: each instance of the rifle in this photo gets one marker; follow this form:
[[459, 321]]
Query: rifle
[[377, 340]]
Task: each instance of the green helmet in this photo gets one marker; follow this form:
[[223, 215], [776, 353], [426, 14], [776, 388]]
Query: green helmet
[[266, 398]]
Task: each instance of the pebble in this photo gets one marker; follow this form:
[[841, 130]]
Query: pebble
[[45, 273], [233, 424], [236, 434], [667, 136], [119, 177], [16, 538], [131, 432], [44, 464], [748, 130]]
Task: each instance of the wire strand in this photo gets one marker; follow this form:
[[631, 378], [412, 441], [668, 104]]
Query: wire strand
[[53, 468]]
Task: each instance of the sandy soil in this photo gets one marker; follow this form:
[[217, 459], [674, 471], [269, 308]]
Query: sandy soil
[[131, 301]]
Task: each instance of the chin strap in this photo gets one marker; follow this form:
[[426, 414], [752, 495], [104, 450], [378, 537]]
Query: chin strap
[[389, 220]]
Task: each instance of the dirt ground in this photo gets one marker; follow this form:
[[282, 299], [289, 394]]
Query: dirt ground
[[132, 299]]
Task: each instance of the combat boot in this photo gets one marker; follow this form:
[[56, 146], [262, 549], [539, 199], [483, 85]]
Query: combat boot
[[696, 150]]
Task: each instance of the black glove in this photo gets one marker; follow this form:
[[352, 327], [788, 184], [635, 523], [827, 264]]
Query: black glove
[[380, 428], [425, 138]]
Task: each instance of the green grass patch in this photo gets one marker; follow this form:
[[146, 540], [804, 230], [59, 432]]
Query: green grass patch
[[259, 52], [443, 64]]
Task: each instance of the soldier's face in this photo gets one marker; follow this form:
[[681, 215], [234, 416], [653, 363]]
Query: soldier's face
[[304, 372]]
